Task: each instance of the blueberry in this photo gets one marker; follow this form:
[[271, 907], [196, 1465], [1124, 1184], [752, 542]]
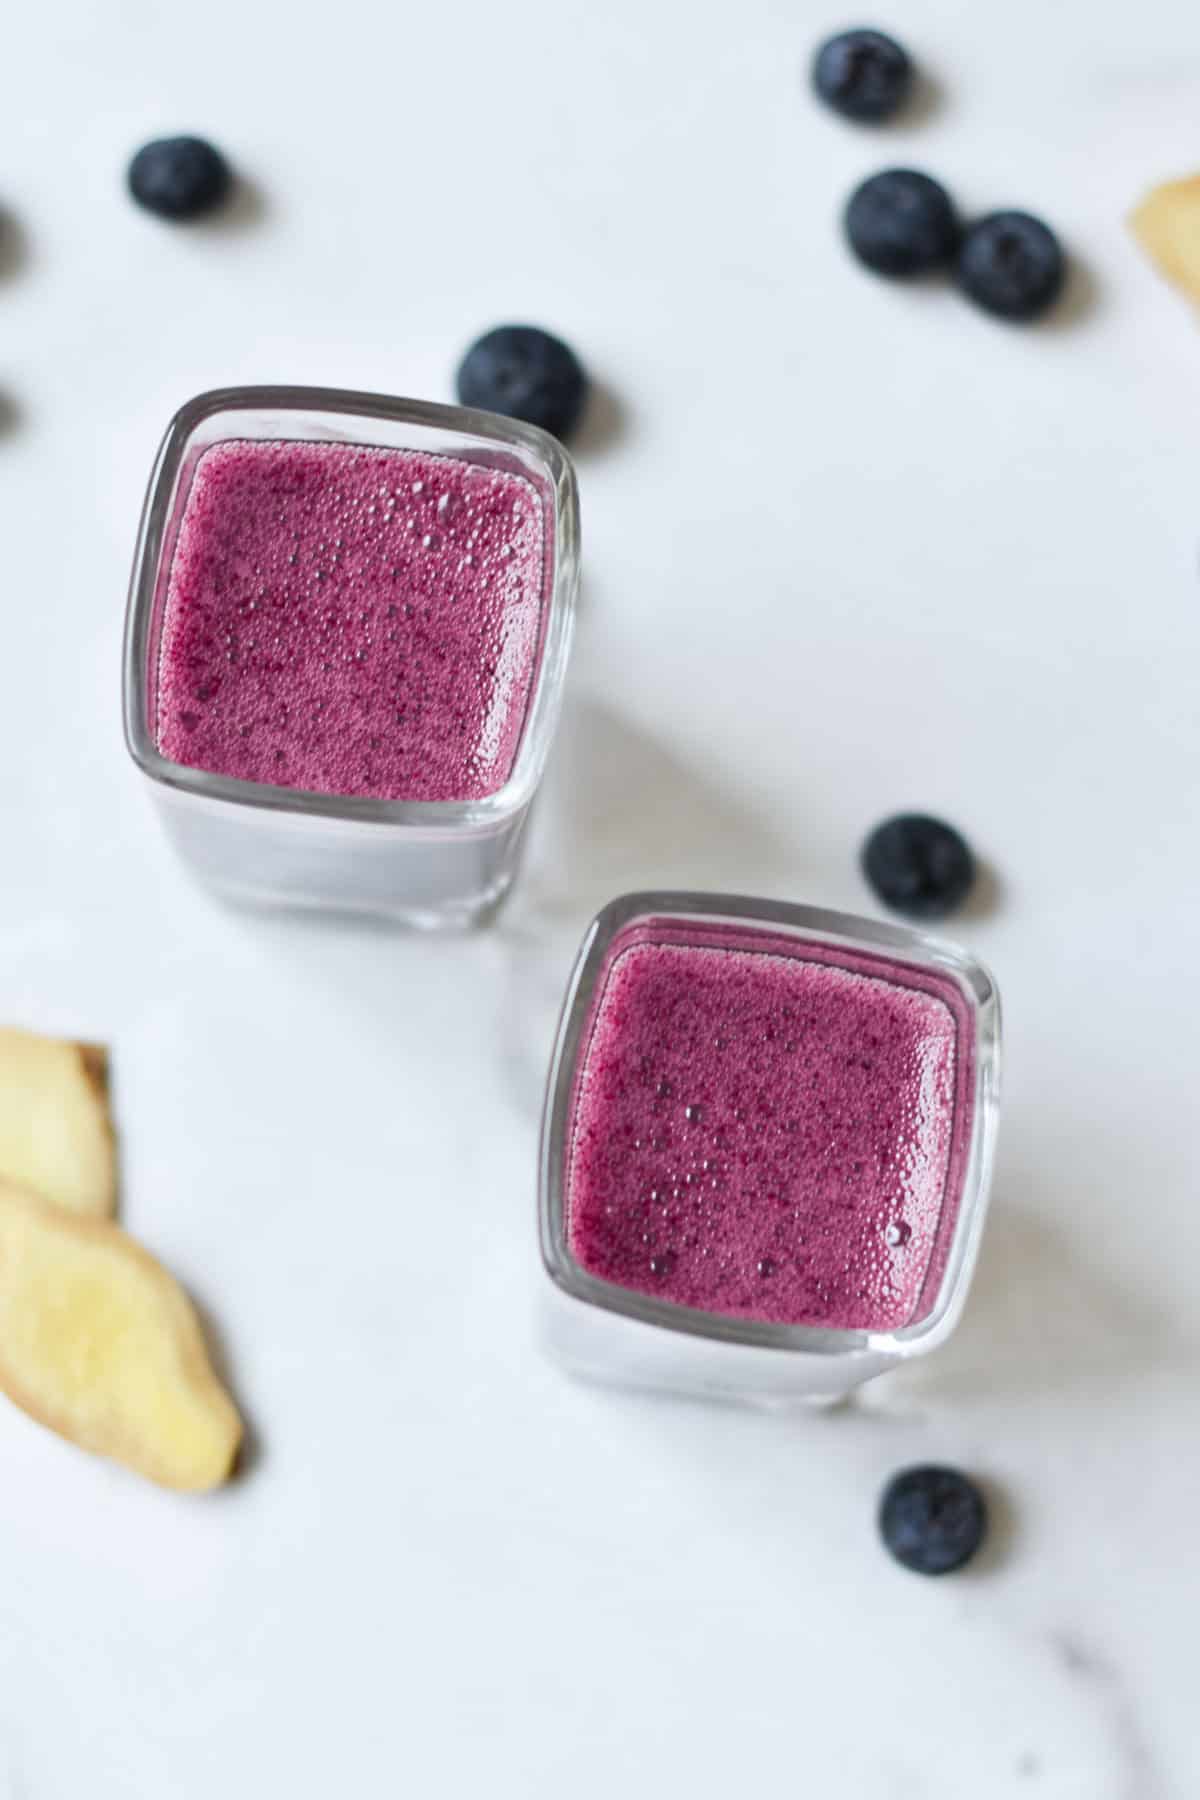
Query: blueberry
[[932, 1519], [525, 374], [863, 75], [918, 865], [179, 177], [1011, 265], [901, 223]]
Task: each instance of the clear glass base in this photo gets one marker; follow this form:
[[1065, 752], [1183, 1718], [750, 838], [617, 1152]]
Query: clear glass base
[[424, 881], [616, 1351]]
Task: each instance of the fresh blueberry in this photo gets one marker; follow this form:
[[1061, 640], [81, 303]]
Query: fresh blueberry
[[918, 865], [863, 75], [525, 374], [932, 1519], [901, 223], [179, 177], [1011, 265]]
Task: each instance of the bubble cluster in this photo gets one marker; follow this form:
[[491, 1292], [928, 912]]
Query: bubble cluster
[[762, 1135], [349, 620]]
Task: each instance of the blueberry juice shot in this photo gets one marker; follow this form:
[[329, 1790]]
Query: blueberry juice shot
[[347, 635], [766, 1148]]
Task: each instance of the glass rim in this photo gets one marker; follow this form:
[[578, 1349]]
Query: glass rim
[[546, 692], [815, 924]]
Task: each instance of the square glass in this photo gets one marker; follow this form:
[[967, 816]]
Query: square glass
[[421, 863], [601, 1329]]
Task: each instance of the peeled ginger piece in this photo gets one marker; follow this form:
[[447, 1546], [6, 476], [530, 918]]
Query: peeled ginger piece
[[56, 1134], [1167, 226], [99, 1343]]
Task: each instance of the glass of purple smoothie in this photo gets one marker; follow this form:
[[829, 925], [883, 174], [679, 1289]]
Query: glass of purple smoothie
[[766, 1148], [348, 629]]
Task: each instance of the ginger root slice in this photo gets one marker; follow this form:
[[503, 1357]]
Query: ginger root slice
[[100, 1344], [1167, 226], [56, 1135]]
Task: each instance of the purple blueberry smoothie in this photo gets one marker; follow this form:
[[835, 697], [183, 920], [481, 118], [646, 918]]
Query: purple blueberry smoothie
[[769, 1128], [347, 620]]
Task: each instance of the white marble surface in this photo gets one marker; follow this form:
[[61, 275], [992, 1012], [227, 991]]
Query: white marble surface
[[847, 549]]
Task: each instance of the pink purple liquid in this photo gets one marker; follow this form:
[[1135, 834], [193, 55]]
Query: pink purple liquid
[[354, 621], [769, 1129]]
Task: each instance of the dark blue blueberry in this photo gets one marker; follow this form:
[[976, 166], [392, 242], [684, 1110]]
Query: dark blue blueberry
[[918, 866], [179, 177], [932, 1519], [1011, 265], [863, 74], [525, 374], [901, 223]]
